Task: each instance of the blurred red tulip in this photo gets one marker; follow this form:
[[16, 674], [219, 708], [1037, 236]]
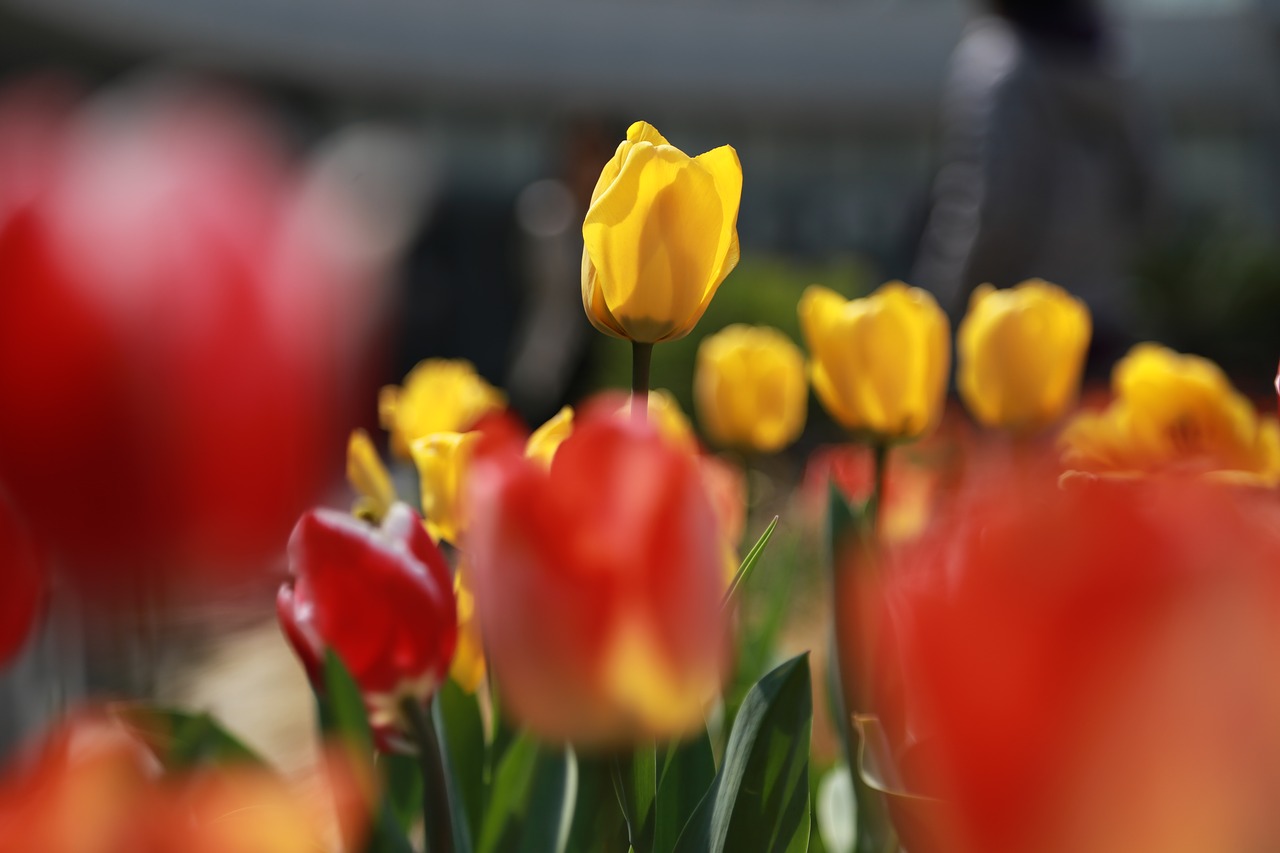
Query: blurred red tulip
[[175, 330], [1089, 667], [25, 581], [599, 582], [90, 787], [380, 598]]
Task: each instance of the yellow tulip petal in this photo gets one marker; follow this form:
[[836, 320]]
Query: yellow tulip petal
[[546, 439], [369, 477], [443, 461]]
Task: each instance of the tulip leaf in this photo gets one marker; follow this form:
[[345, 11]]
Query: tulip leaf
[[182, 740], [402, 781], [598, 823], [531, 800], [686, 772], [462, 748], [343, 716], [759, 800], [749, 562], [635, 779]]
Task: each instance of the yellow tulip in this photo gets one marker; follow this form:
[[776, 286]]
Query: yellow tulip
[[671, 420], [438, 395], [1021, 352], [750, 388], [1174, 411], [468, 665], [546, 439], [660, 235], [878, 364], [443, 460], [375, 493]]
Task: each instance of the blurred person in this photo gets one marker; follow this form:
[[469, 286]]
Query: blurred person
[[1048, 168]]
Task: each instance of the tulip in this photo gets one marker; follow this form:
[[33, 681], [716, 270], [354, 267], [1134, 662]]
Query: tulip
[[750, 388], [1174, 411], [878, 364], [369, 477], [660, 235], [380, 598], [443, 461], [438, 395], [178, 323], [1021, 352], [25, 582], [546, 439], [599, 584], [468, 667], [1059, 650]]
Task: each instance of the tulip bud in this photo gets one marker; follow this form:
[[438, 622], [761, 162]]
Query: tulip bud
[[380, 598], [659, 237], [438, 395], [750, 388], [1174, 411], [599, 584], [443, 461], [1021, 352], [878, 364]]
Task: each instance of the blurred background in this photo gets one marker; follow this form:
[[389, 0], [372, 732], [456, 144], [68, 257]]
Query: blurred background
[[1129, 151]]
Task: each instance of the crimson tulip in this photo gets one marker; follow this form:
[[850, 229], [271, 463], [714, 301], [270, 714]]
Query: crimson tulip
[[599, 582], [1087, 667], [380, 598], [178, 308]]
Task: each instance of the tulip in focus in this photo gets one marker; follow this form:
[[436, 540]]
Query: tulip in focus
[[438, 395], [878, 364], [1021, 352], [1087, 668], [1173, 411], [660, 236], [380, 598], [599, 583], [750, 388]]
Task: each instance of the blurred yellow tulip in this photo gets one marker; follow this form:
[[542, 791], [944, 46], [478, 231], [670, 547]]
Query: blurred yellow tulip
[[438, 395], [375, 493], [468, 666], [750, 388], [659, 237], [443, 460], [1020, 354], [878, 364], [1174, 411], [546, 439]]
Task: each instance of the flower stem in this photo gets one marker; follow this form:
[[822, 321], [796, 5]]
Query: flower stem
[[875, 504], [438, 826], [641, 356]]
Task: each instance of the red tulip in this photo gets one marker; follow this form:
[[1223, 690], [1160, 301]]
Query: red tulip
[[1092, 667], [380, 598], [175, 333], [24, 578], [599, 583]]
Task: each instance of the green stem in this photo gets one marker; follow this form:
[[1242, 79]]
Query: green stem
[[641, 357], [438, 826], [880, 468]]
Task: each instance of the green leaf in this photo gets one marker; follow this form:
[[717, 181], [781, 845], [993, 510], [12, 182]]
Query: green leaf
[[760, 798], [686, 773], [343, 716], [531, 801], [598, 824], [749, 562], [183, 740], [462, 748], [402, 782], [635, 779]]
